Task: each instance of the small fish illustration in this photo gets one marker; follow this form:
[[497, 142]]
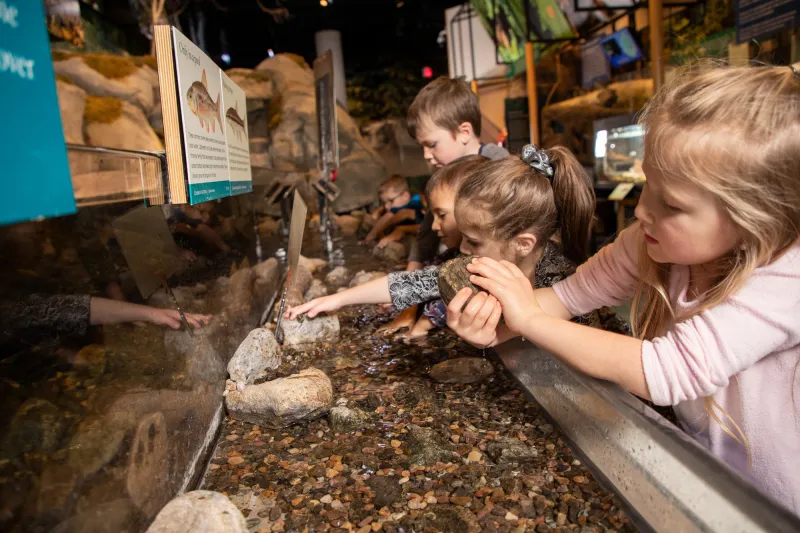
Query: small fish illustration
[[235, 122], [203, 106]]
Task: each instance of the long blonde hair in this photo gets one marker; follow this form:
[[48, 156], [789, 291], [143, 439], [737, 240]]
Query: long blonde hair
[[734, 132]]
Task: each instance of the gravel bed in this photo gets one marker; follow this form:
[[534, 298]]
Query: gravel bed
[[408, 453]]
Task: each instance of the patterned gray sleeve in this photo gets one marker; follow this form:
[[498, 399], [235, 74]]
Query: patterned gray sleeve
[[413, 288], [44, 315]]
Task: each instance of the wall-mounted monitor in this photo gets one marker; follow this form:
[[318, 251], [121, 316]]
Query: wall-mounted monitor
[[620, 48]]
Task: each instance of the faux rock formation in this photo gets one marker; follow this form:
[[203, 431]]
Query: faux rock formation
[[71, 103], [256, 356], [138, 87], [343, 419], [300, 284], [268, 227], [306, 331], [283, 402], [349, 225], [294, 136], [128, 131], [316, 290], [462, 370], [365, 277], [267, 277], [454, 276], [394, 252], [338, 277], [256, 85], [199, 511], [313, 264]]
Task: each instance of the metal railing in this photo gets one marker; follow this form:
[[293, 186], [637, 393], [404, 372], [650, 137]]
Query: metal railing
[[669, 482]]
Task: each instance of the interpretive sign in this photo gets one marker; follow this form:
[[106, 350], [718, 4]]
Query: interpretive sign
[[35, 177]]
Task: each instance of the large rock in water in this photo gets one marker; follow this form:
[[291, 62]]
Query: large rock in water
[[199, 511], [283, 402], [454, 276], [394, 252], [338, 277], [258, 354], [365, 277], [38, 425], [305, 331], [294, 139]]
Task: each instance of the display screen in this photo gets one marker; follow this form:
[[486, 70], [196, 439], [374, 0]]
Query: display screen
[[619, 149], [620, 48]]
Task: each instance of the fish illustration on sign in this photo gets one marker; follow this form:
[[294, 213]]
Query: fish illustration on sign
[[235, 122], [201, 104]]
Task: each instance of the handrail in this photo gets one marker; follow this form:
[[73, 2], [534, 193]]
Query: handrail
[[669, 481]]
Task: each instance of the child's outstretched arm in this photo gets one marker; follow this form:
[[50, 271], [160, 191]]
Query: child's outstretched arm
[[389, 220], [398, 233], [372, 292]]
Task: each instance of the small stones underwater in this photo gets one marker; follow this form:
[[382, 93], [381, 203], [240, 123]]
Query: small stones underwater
[[400, 451]]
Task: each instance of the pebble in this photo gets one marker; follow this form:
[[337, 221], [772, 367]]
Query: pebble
[[474, 456], [326, 499], [396, 443], [236, 460]]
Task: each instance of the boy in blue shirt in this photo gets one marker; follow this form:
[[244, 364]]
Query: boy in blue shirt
[[400, 212]]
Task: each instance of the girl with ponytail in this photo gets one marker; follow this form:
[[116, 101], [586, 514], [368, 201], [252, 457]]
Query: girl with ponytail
[[712, 265], [533, 210]]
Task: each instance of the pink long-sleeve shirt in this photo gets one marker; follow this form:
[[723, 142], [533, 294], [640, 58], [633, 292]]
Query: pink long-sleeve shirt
[[744, 353]]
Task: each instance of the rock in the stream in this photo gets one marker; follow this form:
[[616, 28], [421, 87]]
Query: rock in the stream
[[283, 402], [305, 331], [454, 276], [348, 224], [427, 447], [199, 511], [364, 277], [38, 425], [343, 419], [394, 252], [509, 450], [256, 356], [462, 370], [316, 290], [338, 277], [312, 264]]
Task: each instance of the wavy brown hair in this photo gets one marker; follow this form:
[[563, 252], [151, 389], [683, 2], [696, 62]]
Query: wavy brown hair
[[519, 199]]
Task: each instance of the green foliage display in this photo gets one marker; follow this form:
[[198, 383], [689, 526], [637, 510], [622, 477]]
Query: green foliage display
[[382, 93]]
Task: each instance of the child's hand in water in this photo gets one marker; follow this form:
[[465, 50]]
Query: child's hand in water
[[392, 237], [477, 323], [172, 318], [314, 307], [506, 282]]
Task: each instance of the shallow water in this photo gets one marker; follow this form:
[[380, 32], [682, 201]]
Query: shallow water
[[308, 478]]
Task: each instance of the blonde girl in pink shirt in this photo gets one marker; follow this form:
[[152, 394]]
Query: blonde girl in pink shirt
[[713, 266]]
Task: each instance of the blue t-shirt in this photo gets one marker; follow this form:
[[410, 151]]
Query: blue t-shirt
[[416, 204]]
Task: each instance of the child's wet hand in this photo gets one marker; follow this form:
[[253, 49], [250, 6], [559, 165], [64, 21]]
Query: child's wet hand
[[506, 282], [477, 323], [313, 308]]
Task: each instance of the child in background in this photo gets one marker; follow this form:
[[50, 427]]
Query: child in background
[[445, 119], [400, 212], [713, 265]]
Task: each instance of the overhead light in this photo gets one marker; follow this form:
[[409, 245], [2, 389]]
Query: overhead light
[[400, 4], [226, 58], [427, 72], [323, 3], [270, 53]]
